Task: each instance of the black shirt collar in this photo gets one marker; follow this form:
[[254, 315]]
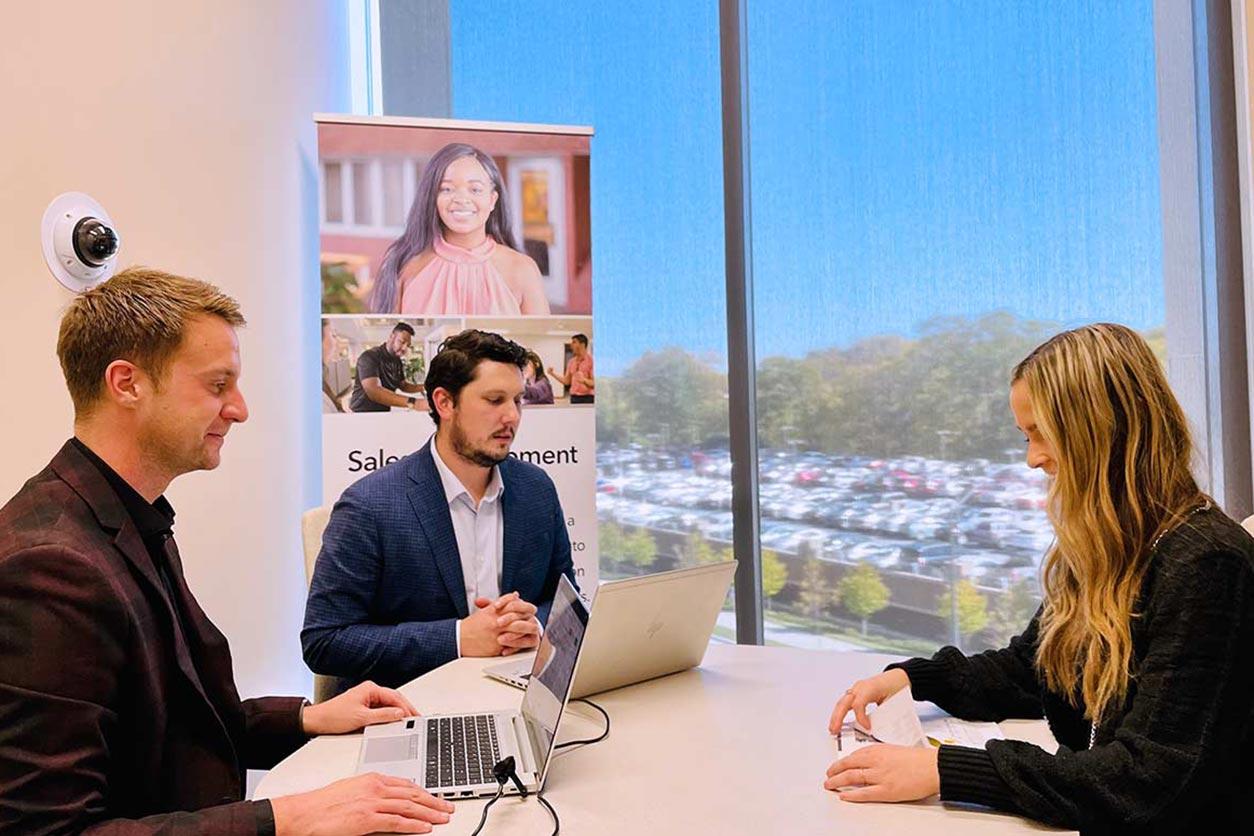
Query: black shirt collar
[[151, 519]]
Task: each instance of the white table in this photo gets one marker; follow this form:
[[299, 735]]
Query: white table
[[736, 746]]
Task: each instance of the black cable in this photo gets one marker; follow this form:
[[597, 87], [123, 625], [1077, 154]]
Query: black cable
[[557, 825], [588, 740], [504, 771], [500, 790]]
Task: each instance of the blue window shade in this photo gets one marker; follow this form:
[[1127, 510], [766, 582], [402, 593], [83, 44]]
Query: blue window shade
[[936, 188], [937, 159], [646, 77]]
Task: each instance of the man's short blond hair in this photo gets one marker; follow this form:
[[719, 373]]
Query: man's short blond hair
[[139, 315]]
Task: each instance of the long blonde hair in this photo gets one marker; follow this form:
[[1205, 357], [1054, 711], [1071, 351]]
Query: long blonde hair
[[1123, 449]]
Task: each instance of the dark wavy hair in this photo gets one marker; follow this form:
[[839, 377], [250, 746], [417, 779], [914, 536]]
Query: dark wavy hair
[[534, 360], [457, 360], [423, 224]]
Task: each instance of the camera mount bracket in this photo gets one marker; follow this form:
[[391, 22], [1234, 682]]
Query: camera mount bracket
[[79, 241]]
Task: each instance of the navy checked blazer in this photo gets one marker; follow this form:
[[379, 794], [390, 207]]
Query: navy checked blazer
[[116, 717], [388, 588]]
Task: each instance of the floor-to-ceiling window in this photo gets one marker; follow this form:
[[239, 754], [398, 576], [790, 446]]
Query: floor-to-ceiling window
[[934, 189]]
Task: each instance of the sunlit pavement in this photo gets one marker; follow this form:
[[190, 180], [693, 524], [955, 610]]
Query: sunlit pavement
[[790, 636]]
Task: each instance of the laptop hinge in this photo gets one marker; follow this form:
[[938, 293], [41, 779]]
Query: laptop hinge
[[526, 747]]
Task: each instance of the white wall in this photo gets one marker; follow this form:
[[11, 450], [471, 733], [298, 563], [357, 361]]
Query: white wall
[[190, 122]]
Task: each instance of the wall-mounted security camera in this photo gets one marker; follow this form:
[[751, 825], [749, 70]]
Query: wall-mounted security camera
[[80, 242]]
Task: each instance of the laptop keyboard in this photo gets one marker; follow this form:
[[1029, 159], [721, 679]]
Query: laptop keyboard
[[461, 751]]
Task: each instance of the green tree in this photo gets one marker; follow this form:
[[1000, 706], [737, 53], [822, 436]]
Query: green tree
[[864, 593], [615, 417], [673, 398], [774, 575], [695, 550], [972, 609], [1010, 614], [784, 402], [943, 393], [939, 394], [415, 366], [339, 290], [611, 542], [640, 550], [815, 593], [961, 368]]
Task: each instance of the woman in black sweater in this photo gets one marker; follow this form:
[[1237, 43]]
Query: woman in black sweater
[[1140, 655]]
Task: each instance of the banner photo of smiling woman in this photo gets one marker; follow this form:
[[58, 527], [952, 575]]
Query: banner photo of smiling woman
[[457, 254]]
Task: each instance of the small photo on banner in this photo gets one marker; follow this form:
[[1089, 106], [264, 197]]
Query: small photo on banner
[[393, 349], [559, 368], [429, 227]]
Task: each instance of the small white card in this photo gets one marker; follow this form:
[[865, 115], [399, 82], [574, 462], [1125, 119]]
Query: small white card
[[895, 721]]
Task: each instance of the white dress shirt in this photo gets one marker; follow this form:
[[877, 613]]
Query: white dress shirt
[[480, 534]]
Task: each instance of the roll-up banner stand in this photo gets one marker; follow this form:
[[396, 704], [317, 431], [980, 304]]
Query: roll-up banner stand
[[389, 254]]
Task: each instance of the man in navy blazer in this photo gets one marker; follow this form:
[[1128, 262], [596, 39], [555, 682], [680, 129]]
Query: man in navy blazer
[[452, 551]]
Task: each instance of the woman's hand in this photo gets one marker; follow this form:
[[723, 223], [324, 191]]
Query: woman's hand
[[362, 705], [864, 692], [885, 773]]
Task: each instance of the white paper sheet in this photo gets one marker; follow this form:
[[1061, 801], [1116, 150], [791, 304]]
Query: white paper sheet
[[952, 731], [895, 721]]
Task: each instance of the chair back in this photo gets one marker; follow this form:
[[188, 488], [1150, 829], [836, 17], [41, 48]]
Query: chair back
[[312, 523]]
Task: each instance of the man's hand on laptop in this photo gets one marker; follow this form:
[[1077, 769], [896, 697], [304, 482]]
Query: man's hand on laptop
[[357, 806], [500, 628], [361, 705]]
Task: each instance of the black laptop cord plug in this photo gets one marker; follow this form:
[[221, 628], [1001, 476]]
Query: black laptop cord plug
[[503, 772], [589, 740]]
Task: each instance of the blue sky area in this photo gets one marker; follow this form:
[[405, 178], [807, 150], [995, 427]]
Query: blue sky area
[[909, 160]]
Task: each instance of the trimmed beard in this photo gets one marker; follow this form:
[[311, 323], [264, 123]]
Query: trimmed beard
[[463, 448]]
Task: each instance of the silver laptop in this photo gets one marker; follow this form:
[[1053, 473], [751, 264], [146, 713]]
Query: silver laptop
[[452, 755], [642, 628]]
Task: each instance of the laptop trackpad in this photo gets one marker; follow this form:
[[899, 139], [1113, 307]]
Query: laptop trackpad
[[381, 749]]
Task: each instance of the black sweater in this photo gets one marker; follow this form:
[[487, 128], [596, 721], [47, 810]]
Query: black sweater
[[1176, 757]]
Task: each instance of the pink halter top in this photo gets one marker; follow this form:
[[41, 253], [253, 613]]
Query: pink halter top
[[458, 281]]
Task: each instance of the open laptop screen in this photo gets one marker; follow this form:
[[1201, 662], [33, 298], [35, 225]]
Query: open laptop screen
[[553, 671]]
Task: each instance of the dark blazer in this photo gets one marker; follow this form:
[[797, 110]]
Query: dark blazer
[[388, 587], [109, 712]]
